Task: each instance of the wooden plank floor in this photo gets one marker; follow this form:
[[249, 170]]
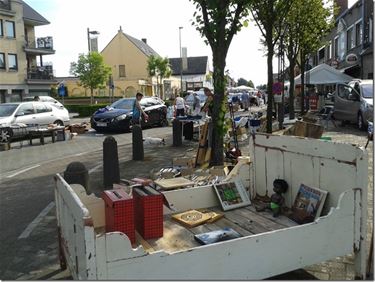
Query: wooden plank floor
[[246, 221]]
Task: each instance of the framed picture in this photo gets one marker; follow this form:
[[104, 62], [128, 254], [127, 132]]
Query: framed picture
[[217, 236], [232, 195], [308, 204]]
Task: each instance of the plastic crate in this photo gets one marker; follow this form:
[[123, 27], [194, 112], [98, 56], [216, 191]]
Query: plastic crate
[[119, 212], [148, 212]]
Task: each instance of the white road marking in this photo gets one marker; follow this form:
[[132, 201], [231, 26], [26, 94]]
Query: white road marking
[[36, 221], [22, 171], [94, 168]]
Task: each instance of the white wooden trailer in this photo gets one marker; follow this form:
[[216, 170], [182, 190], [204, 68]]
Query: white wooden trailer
[[269, 246]]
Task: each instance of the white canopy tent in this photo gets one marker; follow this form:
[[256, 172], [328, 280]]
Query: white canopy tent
[[323, 74]]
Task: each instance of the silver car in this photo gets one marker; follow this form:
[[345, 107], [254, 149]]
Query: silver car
[[36, 113], [47, 99], [354, 102]]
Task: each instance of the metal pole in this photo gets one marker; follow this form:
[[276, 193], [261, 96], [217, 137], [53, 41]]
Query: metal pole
[[88, 39], [180, 59]]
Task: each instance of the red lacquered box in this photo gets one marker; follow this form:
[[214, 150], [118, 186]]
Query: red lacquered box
[[148, 212], [119, 212]]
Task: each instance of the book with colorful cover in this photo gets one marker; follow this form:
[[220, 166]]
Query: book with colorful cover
[[308, 204], [217, 236]]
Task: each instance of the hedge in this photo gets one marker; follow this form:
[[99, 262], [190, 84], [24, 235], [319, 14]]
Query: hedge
[[84, 110]]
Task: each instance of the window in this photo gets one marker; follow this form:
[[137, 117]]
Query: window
[[358, 34], [12, 62], [10, 29], [321, 55], [121, 70], [40, 108], [336, 47], [2, 61], [349, 39], [370, 29], [1, 28], [26, 109], [329, 51]]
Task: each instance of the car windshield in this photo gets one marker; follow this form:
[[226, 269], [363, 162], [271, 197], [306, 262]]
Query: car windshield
[[126, 104], [367, 90], [7, 109]]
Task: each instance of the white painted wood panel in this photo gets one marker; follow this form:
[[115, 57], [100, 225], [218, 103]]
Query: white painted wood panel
[[247, 257]]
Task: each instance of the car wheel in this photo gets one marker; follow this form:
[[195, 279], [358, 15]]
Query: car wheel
[[58, 123], [360, 122], [5, 135], [164, 122]]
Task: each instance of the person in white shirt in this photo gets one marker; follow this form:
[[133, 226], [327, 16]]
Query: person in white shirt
[[179, 104]]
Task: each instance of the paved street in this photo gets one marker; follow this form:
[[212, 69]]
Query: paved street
[[27, 212]]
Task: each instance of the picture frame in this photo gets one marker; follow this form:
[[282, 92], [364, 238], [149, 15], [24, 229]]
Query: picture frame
[[232, 194]]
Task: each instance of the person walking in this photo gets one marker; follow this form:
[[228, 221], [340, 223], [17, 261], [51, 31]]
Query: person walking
[[179, 104], [137, 110], [196, 105], [209, 104], [245, 101]]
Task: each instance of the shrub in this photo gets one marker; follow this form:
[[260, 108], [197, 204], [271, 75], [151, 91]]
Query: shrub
[[84, 110]]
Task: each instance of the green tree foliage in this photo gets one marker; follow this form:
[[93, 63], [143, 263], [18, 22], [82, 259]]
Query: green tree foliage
[[160, 68], [269, 16], [307, 23], [91, 71], [218, 21], [317, 24], [250, 84], [242, 81]]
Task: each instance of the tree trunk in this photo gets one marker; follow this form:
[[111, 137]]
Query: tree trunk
[[269, 84], [302, 84], [217, 145], [161, 89], [292, 64], [92, 96]]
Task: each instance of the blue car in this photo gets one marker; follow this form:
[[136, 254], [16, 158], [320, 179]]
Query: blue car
[[117, 117]]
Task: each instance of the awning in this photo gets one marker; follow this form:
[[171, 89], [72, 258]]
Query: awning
[[323, 74], [348, 67]]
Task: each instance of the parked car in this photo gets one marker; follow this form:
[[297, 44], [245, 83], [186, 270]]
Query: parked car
[[47, 99], [117, 117], [353, 102], [28, 113]]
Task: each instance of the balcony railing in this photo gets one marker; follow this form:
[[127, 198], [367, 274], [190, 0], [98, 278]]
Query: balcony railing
[[5, 5], [40, 73], [40, 45]]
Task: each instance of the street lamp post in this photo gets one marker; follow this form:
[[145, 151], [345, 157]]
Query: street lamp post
[[94, 32], [179, 29]]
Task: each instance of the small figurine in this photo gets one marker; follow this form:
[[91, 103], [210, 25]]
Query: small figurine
[[280, 186]]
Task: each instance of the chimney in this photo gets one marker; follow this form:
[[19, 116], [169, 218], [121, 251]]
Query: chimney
[[144, 40], [342, 6]]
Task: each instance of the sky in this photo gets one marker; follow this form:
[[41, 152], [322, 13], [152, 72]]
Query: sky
[[157, 21]]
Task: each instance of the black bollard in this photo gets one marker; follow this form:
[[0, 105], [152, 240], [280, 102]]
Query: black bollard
[[138, 152], [177, 133], [76, 173], [111, 170]]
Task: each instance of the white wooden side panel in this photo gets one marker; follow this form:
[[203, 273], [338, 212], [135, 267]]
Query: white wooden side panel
[[249, 257], [308, 146], [274, 168], [345, 178], [260, 177], [94, 205], [77, 231], [191, 198]]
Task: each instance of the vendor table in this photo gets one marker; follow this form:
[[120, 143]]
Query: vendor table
[[43, 132], [198, 122]]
